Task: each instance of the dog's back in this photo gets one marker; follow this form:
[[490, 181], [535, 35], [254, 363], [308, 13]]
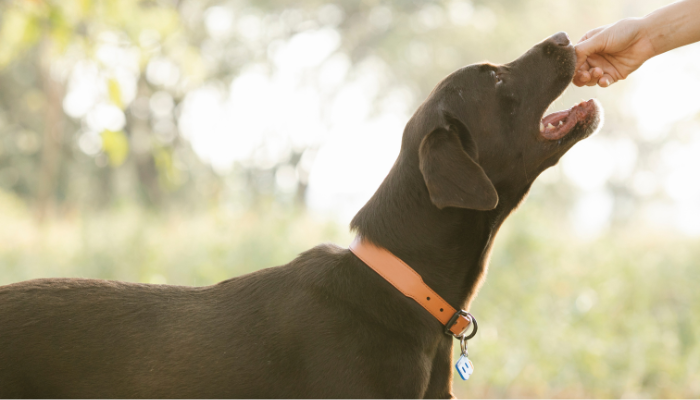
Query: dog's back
[[94, 338], [60, 336]]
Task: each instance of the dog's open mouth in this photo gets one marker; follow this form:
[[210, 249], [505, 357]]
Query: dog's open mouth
[[557, 125]]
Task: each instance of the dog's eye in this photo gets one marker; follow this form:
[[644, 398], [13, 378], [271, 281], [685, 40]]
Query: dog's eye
[[499, 79]]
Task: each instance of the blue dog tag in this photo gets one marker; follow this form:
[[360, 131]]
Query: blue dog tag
[[464, 367]]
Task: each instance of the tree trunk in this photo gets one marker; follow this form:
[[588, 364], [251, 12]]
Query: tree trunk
[[53, 135]]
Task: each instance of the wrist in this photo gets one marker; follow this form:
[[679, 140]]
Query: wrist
[[651, 31], [672, 26]]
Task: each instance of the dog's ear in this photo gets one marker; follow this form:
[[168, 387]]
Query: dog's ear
[[453, 178]]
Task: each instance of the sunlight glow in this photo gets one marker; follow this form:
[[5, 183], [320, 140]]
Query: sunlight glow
[[312, 97], [664, 91]]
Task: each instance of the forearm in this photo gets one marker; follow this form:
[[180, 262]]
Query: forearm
[[673, 26]]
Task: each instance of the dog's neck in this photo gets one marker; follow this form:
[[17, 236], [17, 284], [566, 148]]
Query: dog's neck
[[449, 248]]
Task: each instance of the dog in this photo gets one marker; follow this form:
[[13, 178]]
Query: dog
[[324, 325]]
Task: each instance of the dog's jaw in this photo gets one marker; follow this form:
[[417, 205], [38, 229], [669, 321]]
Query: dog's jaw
[[582, 117]]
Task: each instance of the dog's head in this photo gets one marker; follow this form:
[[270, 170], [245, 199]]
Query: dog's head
[[481, 138]]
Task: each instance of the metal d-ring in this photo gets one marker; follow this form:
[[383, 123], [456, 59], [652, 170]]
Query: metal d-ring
[[476, 327], [463, 339], [452, 321]]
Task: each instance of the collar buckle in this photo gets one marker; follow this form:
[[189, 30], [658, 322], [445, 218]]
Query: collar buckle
[[462, 335]]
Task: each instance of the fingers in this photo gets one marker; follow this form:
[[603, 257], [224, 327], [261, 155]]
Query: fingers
[[597, 70], [596, 74], [606, 80], [581, 78], [582, 75], [589, 77], [592, 77], [581, 58]]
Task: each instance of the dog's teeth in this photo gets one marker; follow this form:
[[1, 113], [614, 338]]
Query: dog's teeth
[[561, 123], [550, 126], [541, 126]]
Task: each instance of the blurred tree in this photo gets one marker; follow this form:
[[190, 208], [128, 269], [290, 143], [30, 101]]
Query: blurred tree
[[119, 71], [93, 91], [45, 48]]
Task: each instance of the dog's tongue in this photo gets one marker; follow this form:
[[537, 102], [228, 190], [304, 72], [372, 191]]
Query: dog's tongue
[[557, 125]]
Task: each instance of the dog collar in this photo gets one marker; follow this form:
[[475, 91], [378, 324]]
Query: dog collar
[[410, 283]]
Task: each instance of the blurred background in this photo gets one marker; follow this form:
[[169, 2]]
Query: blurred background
[[189, 141]]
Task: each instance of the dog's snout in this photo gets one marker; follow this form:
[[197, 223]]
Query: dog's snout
[[560, 39]]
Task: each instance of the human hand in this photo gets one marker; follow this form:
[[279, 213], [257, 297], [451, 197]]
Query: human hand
[[610, 53]]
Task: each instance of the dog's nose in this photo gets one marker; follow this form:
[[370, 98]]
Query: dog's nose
[[560, 39]]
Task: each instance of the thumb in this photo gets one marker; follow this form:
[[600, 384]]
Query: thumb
[[591, 43]]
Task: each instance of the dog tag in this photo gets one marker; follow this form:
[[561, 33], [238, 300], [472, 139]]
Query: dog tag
[[464, 367]]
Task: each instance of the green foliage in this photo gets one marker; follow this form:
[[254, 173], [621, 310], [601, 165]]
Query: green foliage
[[41, 43], [18, 31], [115, 92], [563, 317], [170, 177], [115, 145]]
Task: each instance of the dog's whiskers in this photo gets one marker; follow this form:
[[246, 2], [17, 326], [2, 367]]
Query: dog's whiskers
[[522, 159]]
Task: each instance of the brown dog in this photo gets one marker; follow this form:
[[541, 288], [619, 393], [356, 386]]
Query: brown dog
[[324, 325]]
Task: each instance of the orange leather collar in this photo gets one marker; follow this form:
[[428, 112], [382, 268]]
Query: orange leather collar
[[410, 283]]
